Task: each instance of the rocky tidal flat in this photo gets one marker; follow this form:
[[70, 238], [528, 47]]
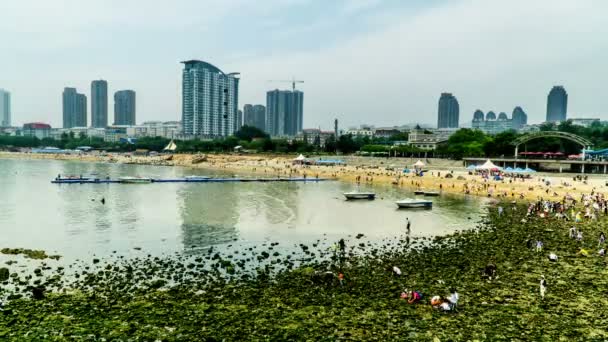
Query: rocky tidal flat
[[272, 293]]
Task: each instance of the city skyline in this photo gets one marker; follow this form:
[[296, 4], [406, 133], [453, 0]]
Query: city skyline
[[379, 56]]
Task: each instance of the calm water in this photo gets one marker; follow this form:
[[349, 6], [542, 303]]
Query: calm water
[[166, 218]]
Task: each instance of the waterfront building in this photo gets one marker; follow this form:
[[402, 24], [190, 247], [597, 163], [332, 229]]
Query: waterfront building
[[99, 104], [584, 122], [255, 115], [429, 139], [115, 133], [74, 108], [360, 132], [124, 107], [168, 129], [519, 117], [315, 136], [448, 111], [5, 108], [36, 129], [209, 100], [284, 112], [386, 132], [491, 124], [557, 104]]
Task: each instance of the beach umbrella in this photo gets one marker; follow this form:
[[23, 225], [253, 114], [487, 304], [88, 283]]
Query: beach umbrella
[[488, 165], [529, 170], [419, 163], [518, 169], [300, 158], [471, 167], [509, 169]]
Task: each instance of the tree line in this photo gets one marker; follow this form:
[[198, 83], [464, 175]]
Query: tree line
[[463, 143]]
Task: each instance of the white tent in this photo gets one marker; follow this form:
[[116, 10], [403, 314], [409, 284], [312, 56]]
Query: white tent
[[300, 158], [419, 164], [488, 165], [171, 146]]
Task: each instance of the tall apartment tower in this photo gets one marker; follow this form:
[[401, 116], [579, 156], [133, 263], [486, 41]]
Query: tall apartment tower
[[284, 112], [557, 104], [124, 108], [99, 104], [74, 108], [5, 108], [209, 100], [255, 116], [519, 117], [448, 111]]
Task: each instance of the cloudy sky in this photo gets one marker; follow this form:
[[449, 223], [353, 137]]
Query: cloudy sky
[[363, 61]]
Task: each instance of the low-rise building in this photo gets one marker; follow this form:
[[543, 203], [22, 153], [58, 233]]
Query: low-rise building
[[585, 122], [360, 132], [428, 139], [314, 136], [385, 132], [36, 129], [116, 133]]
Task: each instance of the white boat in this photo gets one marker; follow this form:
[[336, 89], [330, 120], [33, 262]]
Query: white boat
[[355, 195], [135, 180], [414, 203]]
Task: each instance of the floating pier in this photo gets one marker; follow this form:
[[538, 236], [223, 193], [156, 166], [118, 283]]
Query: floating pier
[[186, 180]]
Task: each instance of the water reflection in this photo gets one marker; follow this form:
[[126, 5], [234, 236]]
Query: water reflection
[[209, 214], [170, 217]]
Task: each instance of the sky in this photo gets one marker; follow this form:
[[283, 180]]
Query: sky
[[363, 61]]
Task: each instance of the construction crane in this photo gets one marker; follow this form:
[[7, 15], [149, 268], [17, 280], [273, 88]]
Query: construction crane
[[293, 82]]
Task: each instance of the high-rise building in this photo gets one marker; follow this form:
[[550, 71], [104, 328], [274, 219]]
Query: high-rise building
[[284, 112], [557, 104], [5, 108], [74, 108], [255, 115], [209, 100], [519, 117], [99, 104], [448, 111], [239, 119], [124, 108]]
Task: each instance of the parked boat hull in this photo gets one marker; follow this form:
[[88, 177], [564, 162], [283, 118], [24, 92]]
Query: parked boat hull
[[411, 204], [359, 196]]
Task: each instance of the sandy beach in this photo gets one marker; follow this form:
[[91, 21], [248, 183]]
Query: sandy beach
[[365, 170]]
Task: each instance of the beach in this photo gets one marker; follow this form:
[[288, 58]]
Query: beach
[[447, 176]]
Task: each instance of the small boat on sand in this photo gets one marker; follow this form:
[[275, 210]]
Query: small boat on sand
[[418, 192], [135, 180], [414, 203], [431, 193], [355, 195]]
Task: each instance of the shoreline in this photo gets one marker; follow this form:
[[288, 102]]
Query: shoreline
[[433, 180]]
